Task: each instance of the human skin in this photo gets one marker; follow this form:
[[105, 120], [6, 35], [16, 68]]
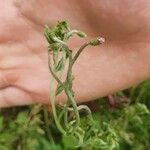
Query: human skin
[[123, 61]]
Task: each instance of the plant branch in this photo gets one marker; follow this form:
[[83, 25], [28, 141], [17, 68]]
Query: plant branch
[[52, 100], [70, 97], [79, 52], [53, 74], [68, 78]]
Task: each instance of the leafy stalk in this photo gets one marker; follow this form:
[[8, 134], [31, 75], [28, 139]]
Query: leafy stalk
[[57, 39]]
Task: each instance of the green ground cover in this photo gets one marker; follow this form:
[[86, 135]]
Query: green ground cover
[[123, 125]]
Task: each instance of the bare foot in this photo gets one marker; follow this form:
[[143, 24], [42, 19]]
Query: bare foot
[[121, 62]]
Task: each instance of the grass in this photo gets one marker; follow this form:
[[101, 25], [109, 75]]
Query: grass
[[121, 122]]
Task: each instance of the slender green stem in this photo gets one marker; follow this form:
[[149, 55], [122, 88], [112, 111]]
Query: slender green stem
[[52, 100], [49, 134], [68, 90], [69, 72], [55, 59], [60, 128], [51, 70], [64, 114], [66, 119], [79, 52], [69, 34], [70, 97]]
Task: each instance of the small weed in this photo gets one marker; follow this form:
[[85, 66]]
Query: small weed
[[60, 57]]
